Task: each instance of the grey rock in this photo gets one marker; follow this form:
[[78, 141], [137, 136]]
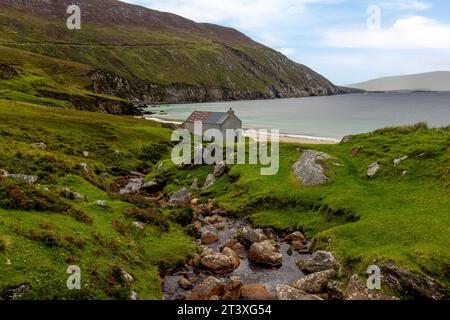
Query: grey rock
[[3, 173], [315, 282], [285, 292], [373, 169], [40, 145], [209, 182], [248, 236], [397, 161], [151, 187], [406, 282], [347, 139], [358, 290], [139, 225], [24, 177], [102, 204], [134, 295], [180, 197], [319, 261], [15, 292], [335, 291], [308, 170], [127, 277], [84, 167], [133, 186], [220, 169], [85, 154], [194, 185]]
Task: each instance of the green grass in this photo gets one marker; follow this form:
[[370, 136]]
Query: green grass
[[41, 245], [403, 218]]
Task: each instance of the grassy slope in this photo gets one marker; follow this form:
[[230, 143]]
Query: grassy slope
[[394, 217], [41, 245]]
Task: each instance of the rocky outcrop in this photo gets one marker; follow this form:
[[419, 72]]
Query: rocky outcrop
[[181, 197], [408, 283], [27, 178], [133, 186], [265, 253], [358, 290], [151, 187], [308, 170], [285, 292], [209, 288], [316, 282], [319, 261], [256, 292]]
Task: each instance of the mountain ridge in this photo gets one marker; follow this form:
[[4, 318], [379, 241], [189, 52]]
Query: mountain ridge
[[139, 54], [428, 81]]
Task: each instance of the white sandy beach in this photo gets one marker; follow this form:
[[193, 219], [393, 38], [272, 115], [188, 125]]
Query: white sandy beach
[[288, 138]]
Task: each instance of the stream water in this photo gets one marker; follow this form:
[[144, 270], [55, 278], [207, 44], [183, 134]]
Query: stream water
[[249, 272]]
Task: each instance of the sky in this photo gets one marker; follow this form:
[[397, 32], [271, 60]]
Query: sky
[[348, 41]]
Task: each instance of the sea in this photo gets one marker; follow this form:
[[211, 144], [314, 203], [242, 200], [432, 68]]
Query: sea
[[330, 117]]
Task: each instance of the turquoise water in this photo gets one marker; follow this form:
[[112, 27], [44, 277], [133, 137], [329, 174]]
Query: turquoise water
[[333, 116]]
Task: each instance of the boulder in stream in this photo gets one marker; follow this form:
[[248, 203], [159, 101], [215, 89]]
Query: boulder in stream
[[265, 253], [315, 282], [319, 261], [285, 292], [209, 288]]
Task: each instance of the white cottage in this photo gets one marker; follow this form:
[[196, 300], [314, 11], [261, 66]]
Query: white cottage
[[215, 120]]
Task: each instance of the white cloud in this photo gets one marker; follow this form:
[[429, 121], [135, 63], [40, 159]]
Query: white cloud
[[410, 33], [406, 4], [243, 14]]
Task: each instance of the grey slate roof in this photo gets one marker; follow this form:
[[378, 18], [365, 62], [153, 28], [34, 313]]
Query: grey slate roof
[[208, 117]]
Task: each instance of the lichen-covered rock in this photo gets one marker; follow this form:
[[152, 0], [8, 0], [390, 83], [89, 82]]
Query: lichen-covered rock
[[233, 289], [40, 145], [285, 292], [319, 261], [248, 236], [209, 288], [256, 292], [265, 253], [234, 257], [358, 290], [315, 282], [295, 236], [406, 282], [27, 178], [308, 170]]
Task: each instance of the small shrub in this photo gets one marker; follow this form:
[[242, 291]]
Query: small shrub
[[182, 215]]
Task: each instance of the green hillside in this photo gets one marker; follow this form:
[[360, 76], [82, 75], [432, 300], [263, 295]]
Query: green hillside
[[135, 53]]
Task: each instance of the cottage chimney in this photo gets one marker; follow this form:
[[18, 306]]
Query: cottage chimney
[[231, 111]]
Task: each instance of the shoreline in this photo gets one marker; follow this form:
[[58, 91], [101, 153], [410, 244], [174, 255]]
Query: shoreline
[[284, 137]]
